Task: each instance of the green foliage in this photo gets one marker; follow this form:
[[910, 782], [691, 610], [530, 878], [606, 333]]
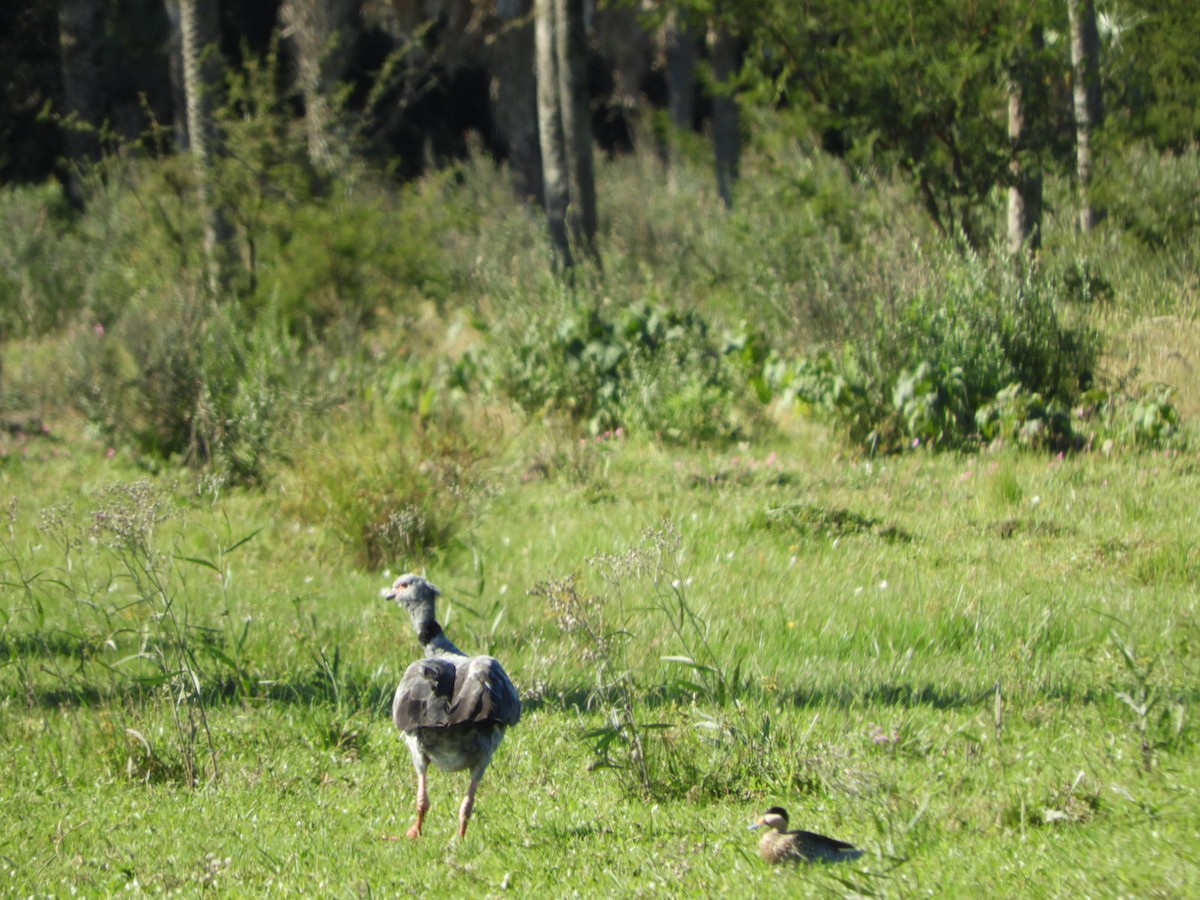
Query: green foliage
[[1022, 417], [1155, 197], [182, 378], [645, 368], [866, 83], [971, 354], [40, 276], [396, 488]]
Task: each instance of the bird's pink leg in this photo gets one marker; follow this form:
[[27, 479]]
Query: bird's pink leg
[[468, 804], [422, 804]]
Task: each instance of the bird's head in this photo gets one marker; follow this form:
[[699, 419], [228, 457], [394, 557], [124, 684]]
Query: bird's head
[[412, 592], [776, 817]]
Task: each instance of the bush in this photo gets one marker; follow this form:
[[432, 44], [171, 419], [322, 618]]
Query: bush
[[397, 479], [933, 368], [181, 377], [41, 277], [645, 368]]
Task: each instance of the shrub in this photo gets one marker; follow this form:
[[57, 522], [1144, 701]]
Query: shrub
[[933, 367], [396, 480], [41, 276], [645, 368], [180, 377]]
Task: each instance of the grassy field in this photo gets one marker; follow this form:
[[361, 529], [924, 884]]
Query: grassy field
[[981, 669]]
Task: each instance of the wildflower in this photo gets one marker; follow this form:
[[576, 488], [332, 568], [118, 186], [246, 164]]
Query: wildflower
[[110, 452], [98, 330]]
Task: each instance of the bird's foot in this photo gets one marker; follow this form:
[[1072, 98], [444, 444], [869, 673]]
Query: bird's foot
[[415, 832]]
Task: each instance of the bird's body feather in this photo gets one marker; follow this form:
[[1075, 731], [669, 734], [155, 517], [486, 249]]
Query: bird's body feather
[[455, 708], [805, 846]]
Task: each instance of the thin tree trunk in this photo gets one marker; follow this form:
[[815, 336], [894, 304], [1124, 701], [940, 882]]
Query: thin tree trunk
[[576, 121], [175, 72], [550, 130], [1089, 111], [513, 93], [1026, 112], [322, 33], [726, 134], [202, 72], [680, 52], [78, 26]]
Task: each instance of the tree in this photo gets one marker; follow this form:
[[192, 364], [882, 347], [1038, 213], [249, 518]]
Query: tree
[[917, 86], [565, 127], [550, 131], [725, 114], [680, 52], [202, 71], [322, 33], [78, 26], [513, 95], [1027, 113], [1089, 112]]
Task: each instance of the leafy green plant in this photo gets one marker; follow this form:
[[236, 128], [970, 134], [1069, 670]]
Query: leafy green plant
[[963, 355], [1024, 418], [1145, 698], [646, 368]]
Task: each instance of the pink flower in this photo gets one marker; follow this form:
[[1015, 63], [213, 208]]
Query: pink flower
[[110, 452], [772, 458], [98, 330]]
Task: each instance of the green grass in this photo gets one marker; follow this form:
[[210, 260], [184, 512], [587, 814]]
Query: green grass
[[979, 668], [866, 636]]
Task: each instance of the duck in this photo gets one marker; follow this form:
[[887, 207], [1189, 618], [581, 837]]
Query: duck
[[779, 845], [453, 709]]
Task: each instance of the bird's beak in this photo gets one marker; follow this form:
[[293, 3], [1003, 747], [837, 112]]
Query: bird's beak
[[756, 825], [388, 594]]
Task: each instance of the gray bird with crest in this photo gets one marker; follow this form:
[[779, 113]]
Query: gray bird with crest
[[452, 708]]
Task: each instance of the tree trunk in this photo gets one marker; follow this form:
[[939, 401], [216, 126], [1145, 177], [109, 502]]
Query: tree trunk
[[726, 135], [78, 26], [175, 72], [513, 94], [550, 130], [322, 33], [1089, 112], [1026, 122], [201, 76], [576, 121], [680, 52]]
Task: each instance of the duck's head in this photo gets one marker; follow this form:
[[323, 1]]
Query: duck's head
[[776, 817]]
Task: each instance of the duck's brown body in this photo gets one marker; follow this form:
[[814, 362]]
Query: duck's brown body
[[779, 845]]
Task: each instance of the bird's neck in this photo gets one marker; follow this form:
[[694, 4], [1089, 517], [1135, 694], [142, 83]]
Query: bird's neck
[[431, 636]]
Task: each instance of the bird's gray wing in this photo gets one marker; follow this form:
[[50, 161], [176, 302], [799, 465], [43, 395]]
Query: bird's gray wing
[[486, 694], [424, 695], [444, 691]]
